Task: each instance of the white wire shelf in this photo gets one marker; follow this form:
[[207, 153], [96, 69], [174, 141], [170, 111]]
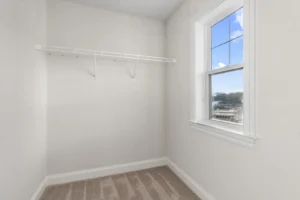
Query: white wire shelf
[[103, 54]]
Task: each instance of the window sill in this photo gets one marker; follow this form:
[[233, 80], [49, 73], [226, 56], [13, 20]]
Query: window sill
[[229, 132]]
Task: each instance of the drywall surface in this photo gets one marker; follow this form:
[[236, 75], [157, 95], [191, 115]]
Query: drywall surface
[[112, 119], [23, 98], [270, 171]]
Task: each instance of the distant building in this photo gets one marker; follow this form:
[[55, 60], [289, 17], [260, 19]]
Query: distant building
[[233, 115]]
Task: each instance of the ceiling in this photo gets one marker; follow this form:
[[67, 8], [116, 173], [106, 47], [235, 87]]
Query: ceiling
[[156, 9]]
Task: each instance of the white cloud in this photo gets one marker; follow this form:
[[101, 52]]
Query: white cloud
[[221, 65], [239, 17], [236, 33]]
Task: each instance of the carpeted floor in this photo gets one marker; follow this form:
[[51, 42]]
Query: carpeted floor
[[152, 184]]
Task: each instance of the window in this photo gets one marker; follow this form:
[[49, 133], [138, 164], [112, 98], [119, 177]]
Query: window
[[223, 72]]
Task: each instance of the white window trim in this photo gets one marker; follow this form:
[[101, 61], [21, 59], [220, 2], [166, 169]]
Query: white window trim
[[242, 134]]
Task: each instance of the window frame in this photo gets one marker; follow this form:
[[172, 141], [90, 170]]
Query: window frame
[[201, 70]]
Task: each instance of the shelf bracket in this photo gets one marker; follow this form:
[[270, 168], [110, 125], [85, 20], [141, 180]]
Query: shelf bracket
[[133, 72], [95, 65]]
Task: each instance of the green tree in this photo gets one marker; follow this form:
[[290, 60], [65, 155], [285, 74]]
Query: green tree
[[227, 101]]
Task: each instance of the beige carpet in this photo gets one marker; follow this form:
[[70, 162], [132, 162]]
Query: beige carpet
[[152, 184]]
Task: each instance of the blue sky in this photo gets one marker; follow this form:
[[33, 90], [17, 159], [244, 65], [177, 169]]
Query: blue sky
[[227, 49]]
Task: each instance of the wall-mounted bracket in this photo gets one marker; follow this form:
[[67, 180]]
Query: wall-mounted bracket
[[95, 65], [133, 71]]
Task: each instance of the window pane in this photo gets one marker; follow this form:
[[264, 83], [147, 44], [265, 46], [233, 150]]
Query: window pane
[[227, 96], [236, 24], [237, 51], [220, 56], [220, 32]]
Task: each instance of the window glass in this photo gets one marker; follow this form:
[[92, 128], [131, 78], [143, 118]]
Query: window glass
[[226, 88], [227, 41], [236, 24], [237, 51], [220, 56], [227, 96], [220, 32]]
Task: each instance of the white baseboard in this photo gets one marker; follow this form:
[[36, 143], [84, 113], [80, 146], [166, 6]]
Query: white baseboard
[[119, 169], [104, 171], [195, 187], [38, 193]]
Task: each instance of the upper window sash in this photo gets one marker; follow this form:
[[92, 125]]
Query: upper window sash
[[210, 23]]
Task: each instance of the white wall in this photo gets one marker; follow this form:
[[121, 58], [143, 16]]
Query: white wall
[[228, 171], [23, 98], [112, 119]]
